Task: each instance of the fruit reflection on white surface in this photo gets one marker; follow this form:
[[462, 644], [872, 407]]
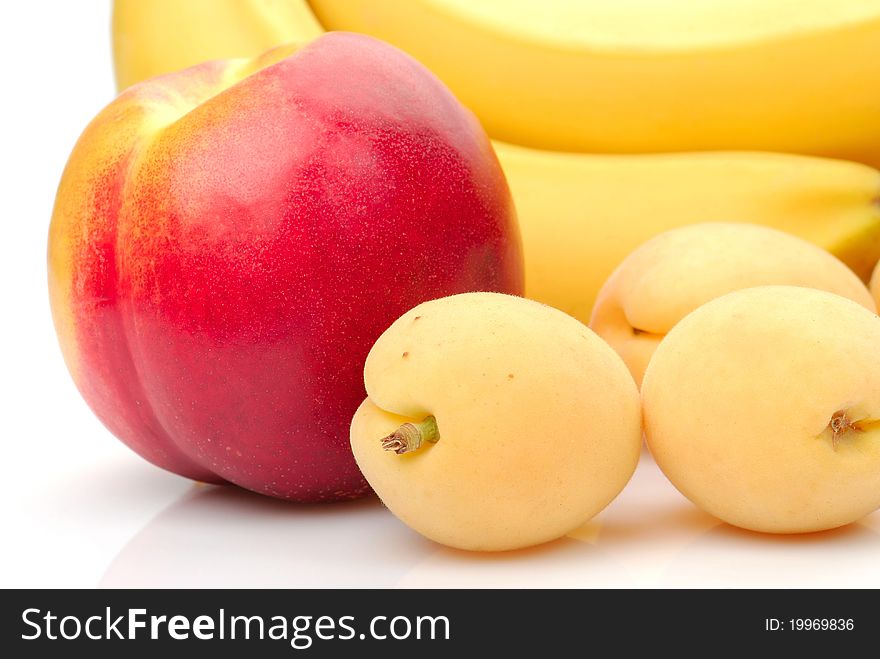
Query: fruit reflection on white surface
[[727, 555], [226, 537], [218, 536], [650, 536]]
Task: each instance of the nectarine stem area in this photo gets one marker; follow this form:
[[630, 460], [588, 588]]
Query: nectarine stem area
[[410, 436]]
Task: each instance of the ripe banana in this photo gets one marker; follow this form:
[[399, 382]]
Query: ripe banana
[[580, 214], [160, 36], [641, 76]]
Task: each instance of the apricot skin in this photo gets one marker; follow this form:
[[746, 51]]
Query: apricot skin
[[874, 284], [738, 401], [677, 271], [538, 419]]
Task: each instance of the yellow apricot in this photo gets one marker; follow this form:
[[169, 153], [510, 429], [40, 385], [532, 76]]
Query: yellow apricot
[[762, 408], [494, 422], [677, 271]]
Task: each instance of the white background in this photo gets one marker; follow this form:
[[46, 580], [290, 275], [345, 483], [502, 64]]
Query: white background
[[79, 509]]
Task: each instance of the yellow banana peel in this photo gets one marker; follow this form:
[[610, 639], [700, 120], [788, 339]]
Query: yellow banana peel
[[648, 76], [581, 214]]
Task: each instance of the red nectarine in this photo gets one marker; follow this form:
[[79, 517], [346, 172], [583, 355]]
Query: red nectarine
[[229, 241]]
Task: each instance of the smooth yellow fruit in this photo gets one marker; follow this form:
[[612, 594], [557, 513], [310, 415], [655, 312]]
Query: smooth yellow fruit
[[160, 36], [763, 408], [580, 215], [634, 76], [674, 273], [538, 421], [874, 284]]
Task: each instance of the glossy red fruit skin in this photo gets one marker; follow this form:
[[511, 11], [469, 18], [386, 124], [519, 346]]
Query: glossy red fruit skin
[[235, 272]]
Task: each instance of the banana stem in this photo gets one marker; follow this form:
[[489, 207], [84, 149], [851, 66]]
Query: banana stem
[[410, 436]]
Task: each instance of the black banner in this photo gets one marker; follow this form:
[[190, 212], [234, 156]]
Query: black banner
[[279, 623]]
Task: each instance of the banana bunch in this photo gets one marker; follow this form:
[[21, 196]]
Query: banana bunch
[[648, 76], [581, 215], [736, 78]]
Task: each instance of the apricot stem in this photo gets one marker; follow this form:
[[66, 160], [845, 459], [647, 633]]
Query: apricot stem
[[410, 436], [840, 424]]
